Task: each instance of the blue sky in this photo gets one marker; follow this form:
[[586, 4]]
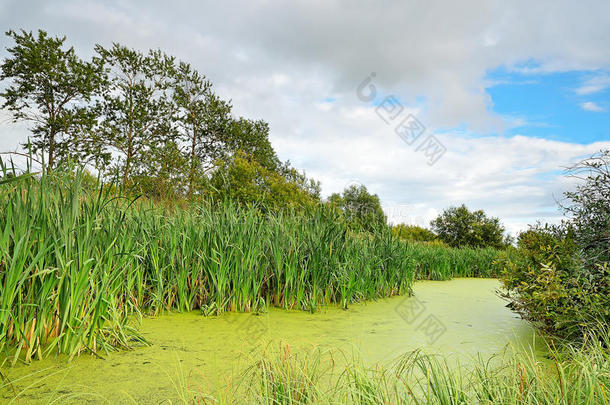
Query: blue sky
[[550, 105]]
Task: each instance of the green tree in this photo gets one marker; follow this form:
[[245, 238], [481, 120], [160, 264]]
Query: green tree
[[203, 120], [136, 107], [361, 209], [50, 87], [458, 226], [246, 180], [413, 233], [252, 138], [589, 207]]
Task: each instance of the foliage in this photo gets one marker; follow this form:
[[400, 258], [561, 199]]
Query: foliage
[[413, 233], [75, 266], [145, 119], [50, 87], [560, 278], [458, 226], [548, 284], [202, 120], [361, 209], [245, 180], [434, 261], [572, 375], [589, 208], [135, 105], [252, 138]]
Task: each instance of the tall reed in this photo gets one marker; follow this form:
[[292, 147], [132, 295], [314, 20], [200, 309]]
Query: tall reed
[[79, 264], [75, 266]]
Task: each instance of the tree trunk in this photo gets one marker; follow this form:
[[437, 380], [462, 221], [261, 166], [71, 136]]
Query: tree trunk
[[192, 170], [51, 162]]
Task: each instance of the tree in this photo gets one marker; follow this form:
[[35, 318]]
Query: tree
[[136, 108], [413, 233], [162, 174], [589, 207], [51, 88], [457, 226], [252, 138], [361, 209], [247, 181], [203, 120]]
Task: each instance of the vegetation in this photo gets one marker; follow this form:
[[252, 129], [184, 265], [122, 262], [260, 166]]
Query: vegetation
[[432, 261], [560, 276], [361, 209], [458, 226], [76, 264], [414, 233], [49, 88], [575, 375], [245, 180], [145, 120], [224, 225]]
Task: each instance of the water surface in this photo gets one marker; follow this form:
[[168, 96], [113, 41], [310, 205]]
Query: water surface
[[459, 318]]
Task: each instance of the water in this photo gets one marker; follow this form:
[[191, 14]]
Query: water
[[459, 318]]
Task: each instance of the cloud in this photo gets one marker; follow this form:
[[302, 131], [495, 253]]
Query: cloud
[[591, 106], [283, 62], [594, 85]]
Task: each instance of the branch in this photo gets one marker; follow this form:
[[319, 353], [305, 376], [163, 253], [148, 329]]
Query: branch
[[22, 154]]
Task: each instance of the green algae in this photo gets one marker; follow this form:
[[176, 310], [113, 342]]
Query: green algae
[[466, 316]]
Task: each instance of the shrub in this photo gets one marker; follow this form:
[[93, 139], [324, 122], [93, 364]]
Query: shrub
[[548, 284]]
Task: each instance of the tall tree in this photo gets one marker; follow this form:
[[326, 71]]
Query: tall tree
[[252, 138], [136, 108], [50, 87], [458, 226], [362, 209], [202, 120]]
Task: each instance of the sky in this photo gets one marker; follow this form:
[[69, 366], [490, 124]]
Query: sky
[[429, 104]]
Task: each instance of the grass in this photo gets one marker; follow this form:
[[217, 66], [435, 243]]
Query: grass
[[572, 375], [79, 265]]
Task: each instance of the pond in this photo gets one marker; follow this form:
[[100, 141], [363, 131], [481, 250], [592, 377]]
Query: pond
[[459, 318]]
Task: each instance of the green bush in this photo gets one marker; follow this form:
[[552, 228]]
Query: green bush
[[548, 284]]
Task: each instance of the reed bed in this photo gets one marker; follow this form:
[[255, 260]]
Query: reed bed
[[79, 265], [438, 262], [571, 375]]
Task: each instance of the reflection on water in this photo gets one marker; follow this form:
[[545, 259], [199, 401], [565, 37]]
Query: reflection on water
[[459, 318]]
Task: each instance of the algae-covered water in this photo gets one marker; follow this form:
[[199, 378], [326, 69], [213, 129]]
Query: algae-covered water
[[459, 318]]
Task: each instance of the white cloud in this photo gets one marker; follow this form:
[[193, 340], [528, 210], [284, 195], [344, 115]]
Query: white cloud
[[594, 85], [591, 106]]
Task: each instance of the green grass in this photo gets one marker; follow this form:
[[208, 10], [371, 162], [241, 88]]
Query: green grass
[[572, 375], [77, 267]]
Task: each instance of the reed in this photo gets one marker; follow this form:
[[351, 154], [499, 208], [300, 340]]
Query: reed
[[571, 375], [439, 262], [78, 265]]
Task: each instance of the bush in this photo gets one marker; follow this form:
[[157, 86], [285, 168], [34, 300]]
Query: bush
[[560, 278], [361, 209], [550, 286]]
